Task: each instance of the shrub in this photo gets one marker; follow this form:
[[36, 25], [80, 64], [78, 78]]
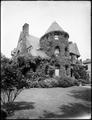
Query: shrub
[[42, 84], [33, 84], [67, 82], [83, 81], [12, 82], [80, 73], [47, 83], [51, 82]]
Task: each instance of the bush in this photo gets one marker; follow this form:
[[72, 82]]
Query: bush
[[80, 72], [83, 82], [51, 82], [42, 84], [67, 82], [33, 84], [47, 83]]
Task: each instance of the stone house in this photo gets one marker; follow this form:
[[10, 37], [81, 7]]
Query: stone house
[[87, 63], [53, 43]]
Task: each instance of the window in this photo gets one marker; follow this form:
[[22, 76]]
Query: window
[[56, 37], [71, 72], [66, 69], [18, 51], [57, 66], [46, 70], [57, 50], [29, 49], [66, 50]]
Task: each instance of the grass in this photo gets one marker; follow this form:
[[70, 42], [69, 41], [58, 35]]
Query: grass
[[82, 94], [52, 103], [69, 111]]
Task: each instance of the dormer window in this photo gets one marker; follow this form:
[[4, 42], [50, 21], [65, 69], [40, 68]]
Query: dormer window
[[18, 51], [29, 49], [56, 37]]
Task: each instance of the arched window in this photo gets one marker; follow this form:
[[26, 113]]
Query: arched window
[[57, 50], [57, 66]]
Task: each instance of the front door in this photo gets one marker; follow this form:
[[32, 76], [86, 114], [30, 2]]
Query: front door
[[57, 72]]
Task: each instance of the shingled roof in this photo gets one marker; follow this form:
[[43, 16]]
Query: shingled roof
[[32, 41], [40, 53], [74, 49], [54, 27], [87, 61]]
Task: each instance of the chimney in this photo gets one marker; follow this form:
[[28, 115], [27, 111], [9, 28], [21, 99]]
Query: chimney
[[25, 29]]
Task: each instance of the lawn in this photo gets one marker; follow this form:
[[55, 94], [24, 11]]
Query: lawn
[[42, 103]]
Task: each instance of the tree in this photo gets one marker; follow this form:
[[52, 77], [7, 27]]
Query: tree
[[12, 81], [80, 73]]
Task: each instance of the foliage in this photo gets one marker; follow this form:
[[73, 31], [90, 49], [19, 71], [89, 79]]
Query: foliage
[[43, 75], [51, 82], [80, 73], [12, 80], [54, 82], [43, 70], [25, 63], [67, 82], [47, 83]]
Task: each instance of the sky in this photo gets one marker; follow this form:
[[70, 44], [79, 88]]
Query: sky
[[74, 17]]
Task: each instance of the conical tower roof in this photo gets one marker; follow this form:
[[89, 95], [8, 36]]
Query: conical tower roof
[[54, 27]]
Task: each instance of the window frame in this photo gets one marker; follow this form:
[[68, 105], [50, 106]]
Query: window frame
[[56, 37]]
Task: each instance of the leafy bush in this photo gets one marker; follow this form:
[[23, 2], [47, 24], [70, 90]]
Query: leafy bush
[[52, 82], [80, 73], [82, 81], [34, 84], [47, 83], [12, 81], [42, 84], [67, 82]]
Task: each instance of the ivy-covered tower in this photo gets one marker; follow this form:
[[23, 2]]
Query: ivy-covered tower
[[55, 43]]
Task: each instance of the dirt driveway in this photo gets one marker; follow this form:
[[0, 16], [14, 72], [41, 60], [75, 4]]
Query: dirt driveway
[[40, 103]]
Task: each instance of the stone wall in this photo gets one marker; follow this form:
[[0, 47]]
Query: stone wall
[[48, 44]]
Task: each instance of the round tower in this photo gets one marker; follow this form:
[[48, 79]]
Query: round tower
[[55, 43]]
